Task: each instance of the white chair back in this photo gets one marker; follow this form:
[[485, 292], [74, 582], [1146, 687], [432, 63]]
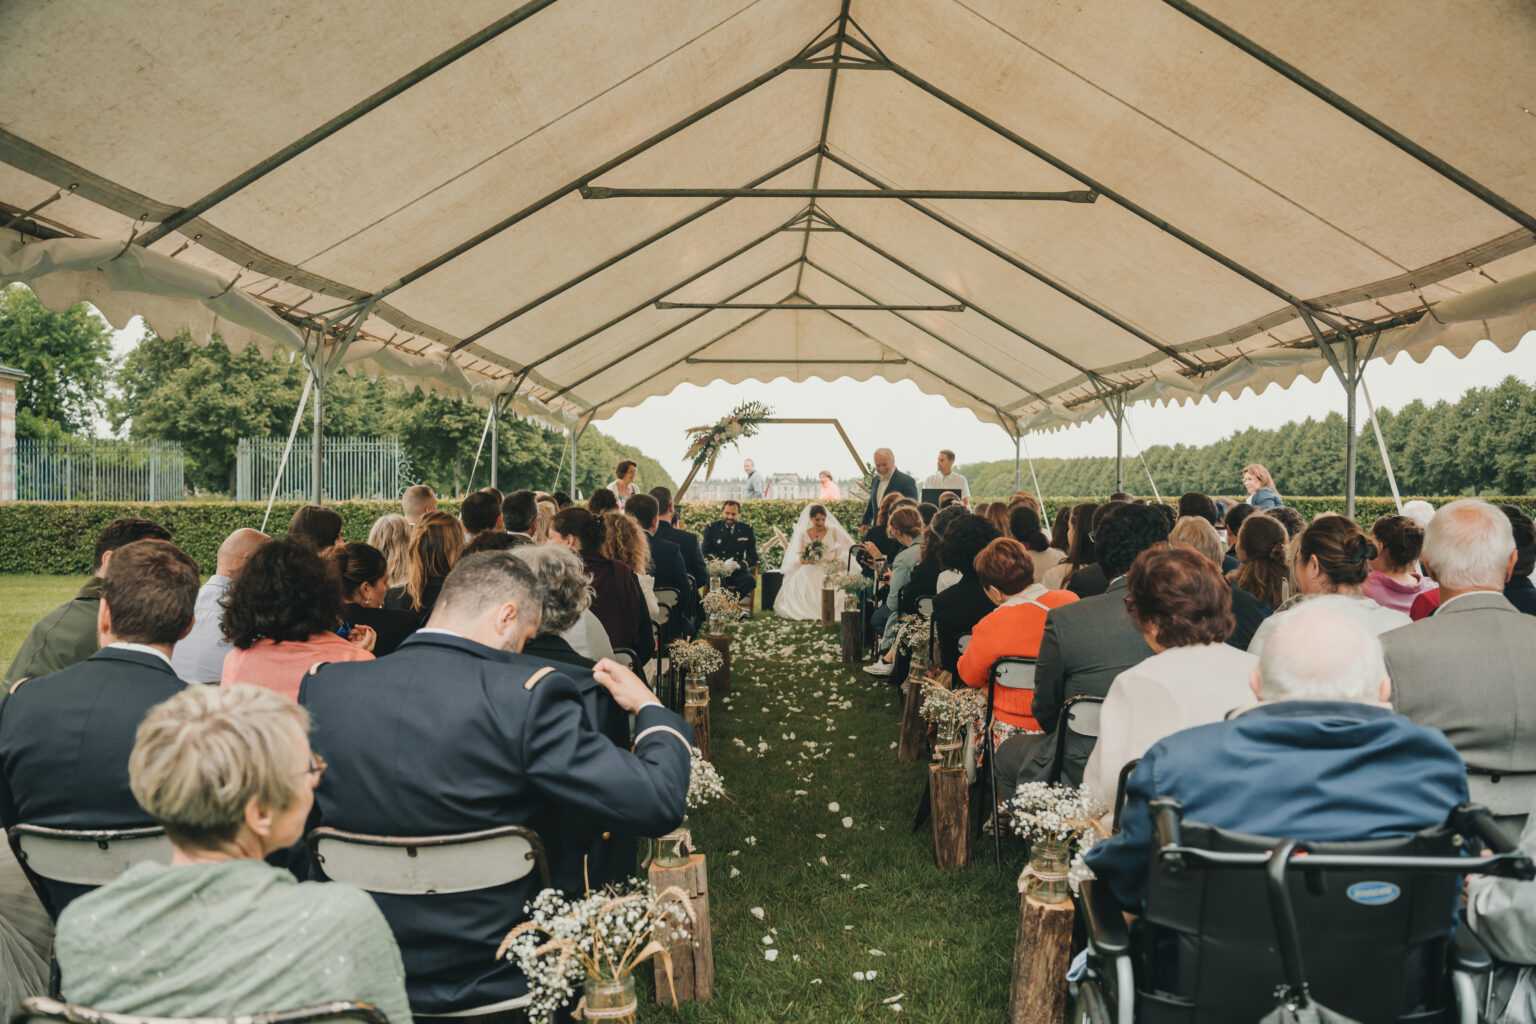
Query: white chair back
[[624, 656], [925, 607], [428, 865], [87, 857], [964, 642], [1015, 675], [1083, 718], [41, 1008]]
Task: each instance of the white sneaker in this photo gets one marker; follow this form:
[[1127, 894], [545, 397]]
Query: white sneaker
[[880, 668]]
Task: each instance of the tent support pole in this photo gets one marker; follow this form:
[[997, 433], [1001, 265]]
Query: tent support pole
[[1381, 445], [322, 366], [317, 438], [293, 431], [1350, 370]]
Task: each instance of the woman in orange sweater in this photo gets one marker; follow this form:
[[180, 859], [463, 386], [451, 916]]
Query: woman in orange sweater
[[1012, 630]]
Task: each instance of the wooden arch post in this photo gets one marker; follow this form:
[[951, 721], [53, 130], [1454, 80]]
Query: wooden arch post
[[863, 469]]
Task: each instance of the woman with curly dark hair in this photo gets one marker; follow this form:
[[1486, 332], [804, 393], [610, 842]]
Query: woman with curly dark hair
[[283, 614], [433, 552], [958, 607]]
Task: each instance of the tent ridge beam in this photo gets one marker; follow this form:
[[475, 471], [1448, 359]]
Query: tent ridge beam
[[1015, 262], [606, 192], [342, 120], [1061, 165], [931, 333], [798, 362], [1356, 113], [620, 257], [957, 307]]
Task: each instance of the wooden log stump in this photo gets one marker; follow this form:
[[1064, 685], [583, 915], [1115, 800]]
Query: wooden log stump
[[853, 637], [829, 606], [693, 961], [914, 731], [1042, 951], [696, 714], [720, 681], [950, 804]]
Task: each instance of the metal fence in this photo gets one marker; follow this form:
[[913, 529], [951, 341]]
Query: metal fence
[[82, 469], [354, 467]]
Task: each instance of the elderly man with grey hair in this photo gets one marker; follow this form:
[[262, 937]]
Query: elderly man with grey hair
[[199, 656], [565, 630], [1467, 670], [1320, 757], [887, 478]]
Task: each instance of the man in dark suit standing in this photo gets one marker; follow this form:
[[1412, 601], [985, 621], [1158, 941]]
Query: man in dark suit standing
[[457, 732], [65, 738], [729, 537], [887, 478], [687, 542], [666, 567]]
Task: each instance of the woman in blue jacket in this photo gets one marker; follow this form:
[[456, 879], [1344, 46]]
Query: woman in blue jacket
[[1261, 487]]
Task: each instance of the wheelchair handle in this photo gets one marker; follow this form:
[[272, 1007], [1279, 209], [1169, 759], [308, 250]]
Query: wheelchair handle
[[1166, 814], [1478, 820]]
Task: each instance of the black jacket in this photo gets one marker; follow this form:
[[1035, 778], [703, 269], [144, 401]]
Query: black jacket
[[64, 745], [446, 736], [1249, 611], [688, 544], [390, 625], [956, 611], [900, 484]]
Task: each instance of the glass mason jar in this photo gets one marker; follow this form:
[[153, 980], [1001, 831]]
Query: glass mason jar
[[674, 848], [1049, 860], [951, 747], [696, 688], [610, 998]]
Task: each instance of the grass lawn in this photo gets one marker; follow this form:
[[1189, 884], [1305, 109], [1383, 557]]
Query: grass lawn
[[24, 600], [800, 732]]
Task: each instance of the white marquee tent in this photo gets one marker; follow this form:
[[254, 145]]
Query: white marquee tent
[[1040, 210]]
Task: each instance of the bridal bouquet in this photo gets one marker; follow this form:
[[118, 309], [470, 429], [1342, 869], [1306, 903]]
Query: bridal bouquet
[[813, 551], [595, 941]]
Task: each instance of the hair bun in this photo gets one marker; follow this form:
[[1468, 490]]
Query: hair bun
[[1360, 551]]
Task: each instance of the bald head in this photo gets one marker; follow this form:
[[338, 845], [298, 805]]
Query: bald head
[[237, 547], [1319, 651]]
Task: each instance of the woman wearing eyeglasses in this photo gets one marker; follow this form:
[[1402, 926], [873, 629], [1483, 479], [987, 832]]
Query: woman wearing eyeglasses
[[228, 773]]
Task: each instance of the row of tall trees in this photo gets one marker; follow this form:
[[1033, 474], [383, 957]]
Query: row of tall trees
[[1483, 443], [208, 397]]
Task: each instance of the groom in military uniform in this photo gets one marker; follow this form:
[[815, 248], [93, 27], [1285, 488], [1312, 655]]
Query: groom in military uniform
[[729, 537]]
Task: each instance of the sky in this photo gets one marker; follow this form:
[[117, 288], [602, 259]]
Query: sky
[[915, 426]]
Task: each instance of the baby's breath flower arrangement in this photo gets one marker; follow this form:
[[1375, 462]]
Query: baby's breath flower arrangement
[[851, 584], [595, 941], [721, 609], [952, 711], [1055, 819], [697, 660], [704, 786], [913, 634]]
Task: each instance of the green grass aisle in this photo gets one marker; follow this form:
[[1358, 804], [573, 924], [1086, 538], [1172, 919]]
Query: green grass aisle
[[815, 836]]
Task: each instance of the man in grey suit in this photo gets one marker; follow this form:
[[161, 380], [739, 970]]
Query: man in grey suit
[[1468, 670], [1086, 644]]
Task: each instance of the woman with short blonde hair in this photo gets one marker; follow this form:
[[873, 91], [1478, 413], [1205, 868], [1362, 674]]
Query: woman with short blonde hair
[[547, 510], [391, 534], [228, 773]]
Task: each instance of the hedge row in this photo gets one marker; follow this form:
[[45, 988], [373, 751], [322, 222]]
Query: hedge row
[[59, 537]]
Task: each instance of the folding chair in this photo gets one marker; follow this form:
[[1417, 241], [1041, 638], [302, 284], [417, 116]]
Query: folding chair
[[1012, 674], [89, 857], [432, 865], [925, 609], [1125, 776], [1079, 717], [36, 1009]]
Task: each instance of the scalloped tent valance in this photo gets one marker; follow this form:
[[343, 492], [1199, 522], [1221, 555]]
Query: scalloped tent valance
[[1037, 210]]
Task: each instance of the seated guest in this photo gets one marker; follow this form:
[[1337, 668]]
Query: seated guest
[[997, 515], [434, 548], [1467, 670], [1392, 582], [924, 579], [1061, 536], [282, 615], [1520, 591], [667, 529], [957, 609], [319, 526], [1202, 506], [67, 635], [1024, 527], [1085, 646], [491, 540], [65, 737], [562, 501], [364, 583], [624, 542], [949, 498], [1090, 581], [199, 656], [1320, 757], [216, 933], [730, 538], [547, 510], [1182, 604], [1247, 612], [666, 565], [927, 510], [523, 751], [1079, 547], [566, 597], [602, 500], [906, 527], [1291, 519], [520, 515], [1233, 522], [1500, 912], [416, 502], [1333, 556], [1013, 629], [877, 543], [391, 535], [1262, 564], [617, 599], [480, 513]]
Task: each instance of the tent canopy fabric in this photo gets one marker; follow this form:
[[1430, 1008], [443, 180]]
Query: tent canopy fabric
[[266, 171]]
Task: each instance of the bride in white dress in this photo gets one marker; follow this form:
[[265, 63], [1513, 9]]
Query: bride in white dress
[[800, 593]]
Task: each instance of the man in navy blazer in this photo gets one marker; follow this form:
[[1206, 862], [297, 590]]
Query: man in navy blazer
[[65, 737], [686, 541], [666, 567], [887, 479], [1320, 757], [456, 731]]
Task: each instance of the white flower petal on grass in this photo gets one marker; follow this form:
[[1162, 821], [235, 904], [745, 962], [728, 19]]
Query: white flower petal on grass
[[767, 940], [833, 807], [757, 912], [735, 871], [821, 835], [847, 823], [862, 885], [815, 981], [770, 954], [823, 859], [896, 1007], [847, 927], [858, 975], [878, 952], [898, 997]]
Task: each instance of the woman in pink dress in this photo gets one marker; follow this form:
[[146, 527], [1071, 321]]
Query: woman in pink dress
[[829, 489], [1393, 583]]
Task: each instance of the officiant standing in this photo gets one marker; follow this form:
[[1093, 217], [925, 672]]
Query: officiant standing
[[729, 537], [887, 478], [946, 479]]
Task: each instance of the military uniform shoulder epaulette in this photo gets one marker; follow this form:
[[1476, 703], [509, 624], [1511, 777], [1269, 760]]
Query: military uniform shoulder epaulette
[[17, 684], [533, 680]]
